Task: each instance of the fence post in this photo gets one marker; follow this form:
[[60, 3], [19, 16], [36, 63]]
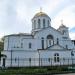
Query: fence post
[[51, 61], [18, 61], [60, 61], [39, 57], [68, 61], [30, 62], [63, 61], [34, 62]]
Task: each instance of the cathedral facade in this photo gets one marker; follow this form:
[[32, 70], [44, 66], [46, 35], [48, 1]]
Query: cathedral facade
[[45, 45]]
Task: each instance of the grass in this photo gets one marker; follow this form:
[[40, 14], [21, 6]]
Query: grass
[[34, 70], [13, 71]]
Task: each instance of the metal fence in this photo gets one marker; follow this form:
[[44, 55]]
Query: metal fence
[[29, 62]]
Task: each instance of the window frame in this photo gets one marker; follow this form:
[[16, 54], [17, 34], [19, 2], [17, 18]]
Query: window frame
[[34, 24], [39, 23], [42, 41], [44, 22], [48, 23], [56, 57], [30, 45]]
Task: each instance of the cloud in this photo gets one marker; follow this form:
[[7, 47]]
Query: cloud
[[16, 15], [68, 17], [27, 9], [72, 35], [72, 29]]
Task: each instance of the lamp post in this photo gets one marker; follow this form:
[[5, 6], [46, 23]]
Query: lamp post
[[39, 57], [72, 54], [11, 58]]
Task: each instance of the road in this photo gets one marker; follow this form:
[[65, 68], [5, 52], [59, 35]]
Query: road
[[67, 74]]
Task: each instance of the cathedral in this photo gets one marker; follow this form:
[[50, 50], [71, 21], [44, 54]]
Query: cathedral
[[45, 46]]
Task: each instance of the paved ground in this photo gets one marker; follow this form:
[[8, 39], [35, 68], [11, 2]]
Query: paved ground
[[67, 74]]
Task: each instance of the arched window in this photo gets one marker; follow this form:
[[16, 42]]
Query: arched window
[[57, 41], [30, 45], [43, 23], [64, 31], [56, 57], [21, 45], [49, 37], [38, 23], [66, 46], [50, 40], [34, 24], [42, 41], [48, 23]]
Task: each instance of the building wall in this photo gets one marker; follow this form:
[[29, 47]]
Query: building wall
[[28, 49], [22, 42], [50, 31], [38, 58], [62, 55], [20, 58]]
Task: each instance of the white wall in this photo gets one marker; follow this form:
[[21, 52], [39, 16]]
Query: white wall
[[21, 56]]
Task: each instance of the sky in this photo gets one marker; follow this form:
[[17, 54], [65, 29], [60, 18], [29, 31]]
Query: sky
[[16, 15]]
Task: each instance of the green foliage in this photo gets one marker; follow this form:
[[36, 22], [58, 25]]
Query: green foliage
[[1, 46], [33, 71], [22, 71]]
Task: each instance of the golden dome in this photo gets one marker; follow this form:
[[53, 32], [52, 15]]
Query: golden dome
[[40, 14]]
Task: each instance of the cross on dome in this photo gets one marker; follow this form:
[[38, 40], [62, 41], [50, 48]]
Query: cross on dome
[[61, 22], [40, 9]]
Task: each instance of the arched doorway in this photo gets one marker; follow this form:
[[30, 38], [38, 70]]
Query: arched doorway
[[3, 60]]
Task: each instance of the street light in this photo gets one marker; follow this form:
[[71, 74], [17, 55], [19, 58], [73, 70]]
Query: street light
[[11, 58], [72, 54], [39, 57]]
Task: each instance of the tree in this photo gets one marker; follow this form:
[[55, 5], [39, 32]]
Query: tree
[[2, 44]]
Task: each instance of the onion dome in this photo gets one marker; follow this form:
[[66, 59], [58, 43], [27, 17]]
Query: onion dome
[[41, 14], [40, 21]]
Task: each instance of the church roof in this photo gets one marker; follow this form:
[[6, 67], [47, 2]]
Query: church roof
[[40, 14], [63, 26], [50, 28], [53, 48], [20, 34], [56, 45]]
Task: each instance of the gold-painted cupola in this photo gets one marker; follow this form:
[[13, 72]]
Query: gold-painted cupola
[[40, 21]]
